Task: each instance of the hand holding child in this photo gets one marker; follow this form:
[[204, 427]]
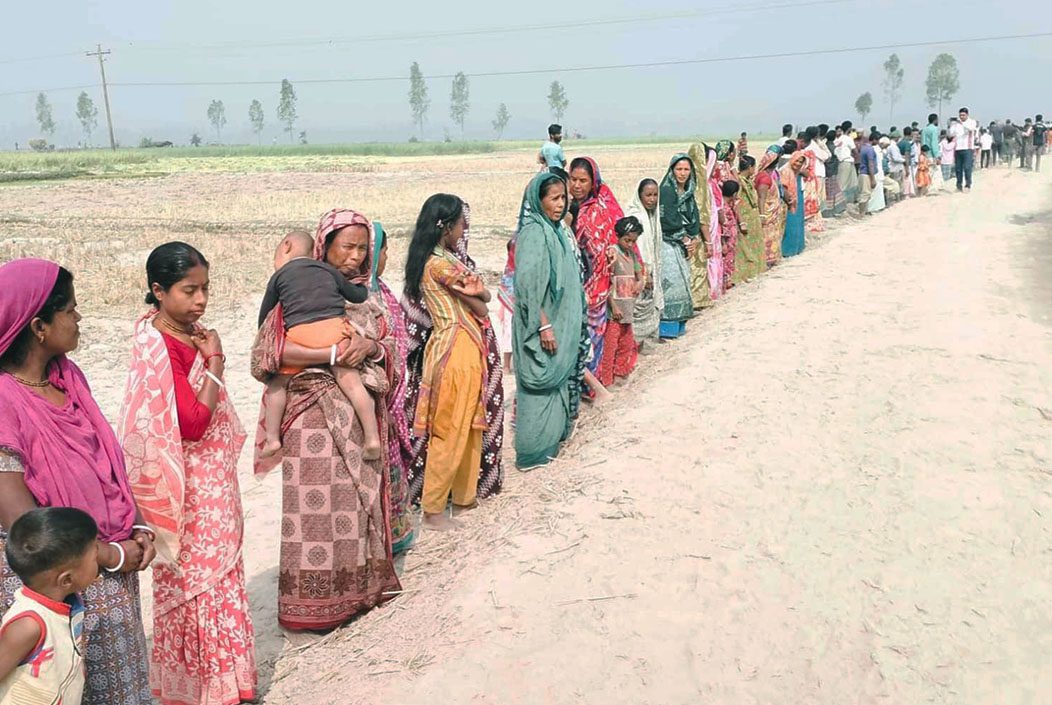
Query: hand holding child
[[353, 350]]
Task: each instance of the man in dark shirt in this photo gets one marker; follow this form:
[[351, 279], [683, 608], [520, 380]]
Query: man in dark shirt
[[867, 170], [997, 131], [1040, 131], [1026, 147], [1011, 137]]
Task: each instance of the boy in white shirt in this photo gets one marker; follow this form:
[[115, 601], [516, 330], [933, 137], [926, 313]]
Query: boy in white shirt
[[986, 145], [54, 551]]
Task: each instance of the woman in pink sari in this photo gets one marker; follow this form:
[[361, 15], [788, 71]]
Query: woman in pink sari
[[723, 172], [182, 438], [58, 450]]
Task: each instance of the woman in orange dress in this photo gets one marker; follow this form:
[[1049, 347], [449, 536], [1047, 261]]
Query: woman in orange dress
[[450, 408]]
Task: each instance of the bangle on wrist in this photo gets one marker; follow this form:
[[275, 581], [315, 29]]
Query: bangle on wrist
[[221, 356], [544, 328], [124, 556], [332, 356], [214, 378], [144, 529]]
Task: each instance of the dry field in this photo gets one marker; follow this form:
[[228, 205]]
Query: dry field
[[234, 209]]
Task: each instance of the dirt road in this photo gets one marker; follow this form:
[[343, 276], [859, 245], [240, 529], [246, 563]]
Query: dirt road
[[835, 490]]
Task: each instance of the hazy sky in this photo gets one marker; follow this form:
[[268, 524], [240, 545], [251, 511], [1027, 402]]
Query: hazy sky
[[161, 40]]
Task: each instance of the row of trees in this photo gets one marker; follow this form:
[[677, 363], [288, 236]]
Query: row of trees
[[286, 113], [86, 112], [460, 102], [419, 105], [941, 85]]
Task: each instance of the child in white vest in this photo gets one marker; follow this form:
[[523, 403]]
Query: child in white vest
[[55, 553]]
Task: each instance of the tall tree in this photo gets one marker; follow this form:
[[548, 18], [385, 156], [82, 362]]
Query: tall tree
[[943, 80], [88, 115], [501, 121], [459, 100], [418, 100], [557, 100], [217, 116], [44, 118], [287, 108], [893, 74], [255, 116], [864, 104]]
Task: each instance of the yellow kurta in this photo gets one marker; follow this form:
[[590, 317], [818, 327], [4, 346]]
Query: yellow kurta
[[450, 409]]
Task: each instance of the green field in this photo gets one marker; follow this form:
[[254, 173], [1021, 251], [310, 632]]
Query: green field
[[25, 166]]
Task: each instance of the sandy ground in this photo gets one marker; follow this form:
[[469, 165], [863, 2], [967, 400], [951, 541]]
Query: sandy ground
[[833, 490]]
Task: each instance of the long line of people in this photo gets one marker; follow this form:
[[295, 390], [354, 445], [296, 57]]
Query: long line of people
[[374, 403]]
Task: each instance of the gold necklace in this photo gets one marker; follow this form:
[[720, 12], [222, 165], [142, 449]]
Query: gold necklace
[[27, 383], [174, 328]]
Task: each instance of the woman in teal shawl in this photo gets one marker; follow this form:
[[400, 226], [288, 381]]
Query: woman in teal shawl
[[680, 229], [548, 324]]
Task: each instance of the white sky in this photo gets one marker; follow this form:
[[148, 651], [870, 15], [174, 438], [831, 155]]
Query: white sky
[[998, 79]]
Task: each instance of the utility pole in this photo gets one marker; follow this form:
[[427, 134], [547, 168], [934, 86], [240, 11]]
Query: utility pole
[[105, 91]]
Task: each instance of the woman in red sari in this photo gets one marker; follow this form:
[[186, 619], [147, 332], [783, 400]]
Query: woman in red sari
[[182, 438], [813, 183], [594, 228]]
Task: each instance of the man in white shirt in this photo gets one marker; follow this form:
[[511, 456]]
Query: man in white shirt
[[816, 145], [896, 164], [965, 134]]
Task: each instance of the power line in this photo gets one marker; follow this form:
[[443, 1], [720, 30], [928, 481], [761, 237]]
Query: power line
[[561, 70], [21, 59], [60, 89], [329, 41], [482, 31]]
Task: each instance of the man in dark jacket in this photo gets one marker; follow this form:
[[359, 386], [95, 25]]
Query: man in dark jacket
[[1040, 131], [997, 131], [1011, 135]]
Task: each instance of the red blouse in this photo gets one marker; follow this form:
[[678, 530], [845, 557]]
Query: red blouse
[[194, 416]]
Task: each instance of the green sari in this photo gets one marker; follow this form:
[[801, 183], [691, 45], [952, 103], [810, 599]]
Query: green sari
[[750, 260], [548, 279], [700, 290]]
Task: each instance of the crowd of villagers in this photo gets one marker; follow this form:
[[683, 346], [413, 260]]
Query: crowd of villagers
[[375, 402]]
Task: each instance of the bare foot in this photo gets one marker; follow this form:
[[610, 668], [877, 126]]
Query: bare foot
[[371, 450], [459, 509], [602, 396], [439, 522], [270, 448]]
